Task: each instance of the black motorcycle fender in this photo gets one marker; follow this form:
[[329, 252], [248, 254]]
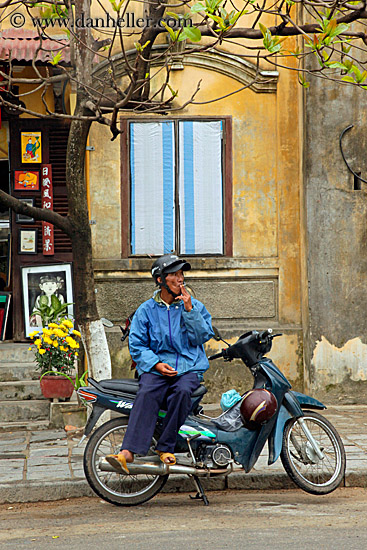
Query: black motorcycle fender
[[97, 411]]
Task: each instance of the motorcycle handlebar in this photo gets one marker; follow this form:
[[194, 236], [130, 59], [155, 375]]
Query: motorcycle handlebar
[[261, 337], [216, 356]]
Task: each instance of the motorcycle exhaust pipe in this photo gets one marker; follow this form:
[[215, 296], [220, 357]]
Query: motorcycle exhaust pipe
[[159, 469]]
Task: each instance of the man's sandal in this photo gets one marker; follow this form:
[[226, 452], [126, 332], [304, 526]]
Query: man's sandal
[[167, 458], [118, 462]]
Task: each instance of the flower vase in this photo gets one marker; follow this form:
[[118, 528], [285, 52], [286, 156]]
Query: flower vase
[[56, 387]]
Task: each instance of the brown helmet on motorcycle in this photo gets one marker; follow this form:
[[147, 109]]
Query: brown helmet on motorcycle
[[257, 407]]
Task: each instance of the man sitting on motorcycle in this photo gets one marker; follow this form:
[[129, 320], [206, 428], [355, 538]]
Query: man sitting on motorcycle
[[166, 341]]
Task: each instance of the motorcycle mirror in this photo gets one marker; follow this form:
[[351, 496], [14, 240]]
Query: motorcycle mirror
[[106, 322], [218, 337]]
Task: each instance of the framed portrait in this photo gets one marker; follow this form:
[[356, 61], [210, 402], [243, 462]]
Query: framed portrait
[[26, 180], [45, 280], [4, 312], [21, 218], [27, 241], [31, 147]]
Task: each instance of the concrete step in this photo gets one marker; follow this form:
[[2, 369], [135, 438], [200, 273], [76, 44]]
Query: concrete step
[[15, 353], [31, 425], [18, 371], [25, 389], [24, 411]]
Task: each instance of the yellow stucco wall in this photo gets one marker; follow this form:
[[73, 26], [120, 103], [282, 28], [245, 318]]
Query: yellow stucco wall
[[266, 197], [33, 99], [105, 193]]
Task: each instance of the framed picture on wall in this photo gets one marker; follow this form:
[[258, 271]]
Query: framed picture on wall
[[26, 180], [27, 241], [21, 218], [45, 280], [31, 147]]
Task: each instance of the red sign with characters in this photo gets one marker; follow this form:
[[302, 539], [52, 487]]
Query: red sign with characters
[[47, 202]]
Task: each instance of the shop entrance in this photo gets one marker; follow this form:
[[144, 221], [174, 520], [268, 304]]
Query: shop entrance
[[30, 258]]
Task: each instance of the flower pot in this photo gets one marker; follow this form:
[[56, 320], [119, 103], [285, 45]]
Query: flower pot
[[53, 387]]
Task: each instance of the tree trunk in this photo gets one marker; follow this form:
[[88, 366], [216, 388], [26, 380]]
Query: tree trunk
[[86, 313], [93, 334]]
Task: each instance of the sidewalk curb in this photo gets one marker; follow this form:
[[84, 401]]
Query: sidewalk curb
[[35, 491]]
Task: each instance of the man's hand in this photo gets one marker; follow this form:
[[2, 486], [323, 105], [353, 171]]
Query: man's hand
[[165, 369], [186, 298]]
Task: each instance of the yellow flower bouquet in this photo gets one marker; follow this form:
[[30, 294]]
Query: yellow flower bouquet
[[56, 348]]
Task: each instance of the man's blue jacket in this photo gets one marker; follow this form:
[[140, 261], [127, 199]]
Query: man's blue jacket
[[170, 334]]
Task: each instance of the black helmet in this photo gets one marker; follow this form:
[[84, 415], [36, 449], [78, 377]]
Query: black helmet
[[169, 263]]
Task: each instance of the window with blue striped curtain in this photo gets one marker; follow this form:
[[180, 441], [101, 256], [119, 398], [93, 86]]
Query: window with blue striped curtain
[[176, 174]]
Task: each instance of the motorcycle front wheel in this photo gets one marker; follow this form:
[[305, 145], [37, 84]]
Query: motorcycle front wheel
[[114, 487], [311, 473]]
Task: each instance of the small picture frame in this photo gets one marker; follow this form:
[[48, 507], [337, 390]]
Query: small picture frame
[[26, 180], [31, 147], [4, 312], [27, 241], [45, 280], [22, 218]]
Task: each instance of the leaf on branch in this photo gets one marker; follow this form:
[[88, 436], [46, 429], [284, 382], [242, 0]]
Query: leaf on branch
[[348, 78], [336, 65], [171, 32], [139, 48], [358, 76], [346, 49], [348, 64], [56, 58], [145, 45], [303, 82], [116, 7], [171, 14], [212, 5], [197, 7], [331, 30], [173, 92], [190, 33], [271, 43]]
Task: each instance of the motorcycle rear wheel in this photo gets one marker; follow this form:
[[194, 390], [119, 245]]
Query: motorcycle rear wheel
[[119, 489], [312, 474]]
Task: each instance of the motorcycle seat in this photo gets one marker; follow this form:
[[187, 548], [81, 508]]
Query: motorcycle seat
[[130, 385], [123, 385]]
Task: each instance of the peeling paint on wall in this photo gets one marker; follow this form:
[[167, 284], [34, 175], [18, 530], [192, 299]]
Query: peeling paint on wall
[[333, 365]]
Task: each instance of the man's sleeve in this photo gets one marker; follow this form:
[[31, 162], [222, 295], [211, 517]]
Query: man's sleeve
[[198, 323], [139, 348]]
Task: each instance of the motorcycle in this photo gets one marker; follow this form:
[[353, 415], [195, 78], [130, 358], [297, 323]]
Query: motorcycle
[[309, 447]]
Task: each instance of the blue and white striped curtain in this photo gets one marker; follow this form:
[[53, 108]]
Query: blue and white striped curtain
[[152, 166], [201, 187]]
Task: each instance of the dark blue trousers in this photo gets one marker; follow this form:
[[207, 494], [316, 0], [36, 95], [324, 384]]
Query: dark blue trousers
[[153, 390]]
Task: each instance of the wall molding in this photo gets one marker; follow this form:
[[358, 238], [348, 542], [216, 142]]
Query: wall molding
[[221, 62]]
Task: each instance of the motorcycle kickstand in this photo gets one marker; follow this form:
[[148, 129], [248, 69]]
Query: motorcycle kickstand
[[200, 495]]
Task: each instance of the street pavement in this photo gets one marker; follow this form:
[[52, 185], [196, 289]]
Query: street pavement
[[48, 464]]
